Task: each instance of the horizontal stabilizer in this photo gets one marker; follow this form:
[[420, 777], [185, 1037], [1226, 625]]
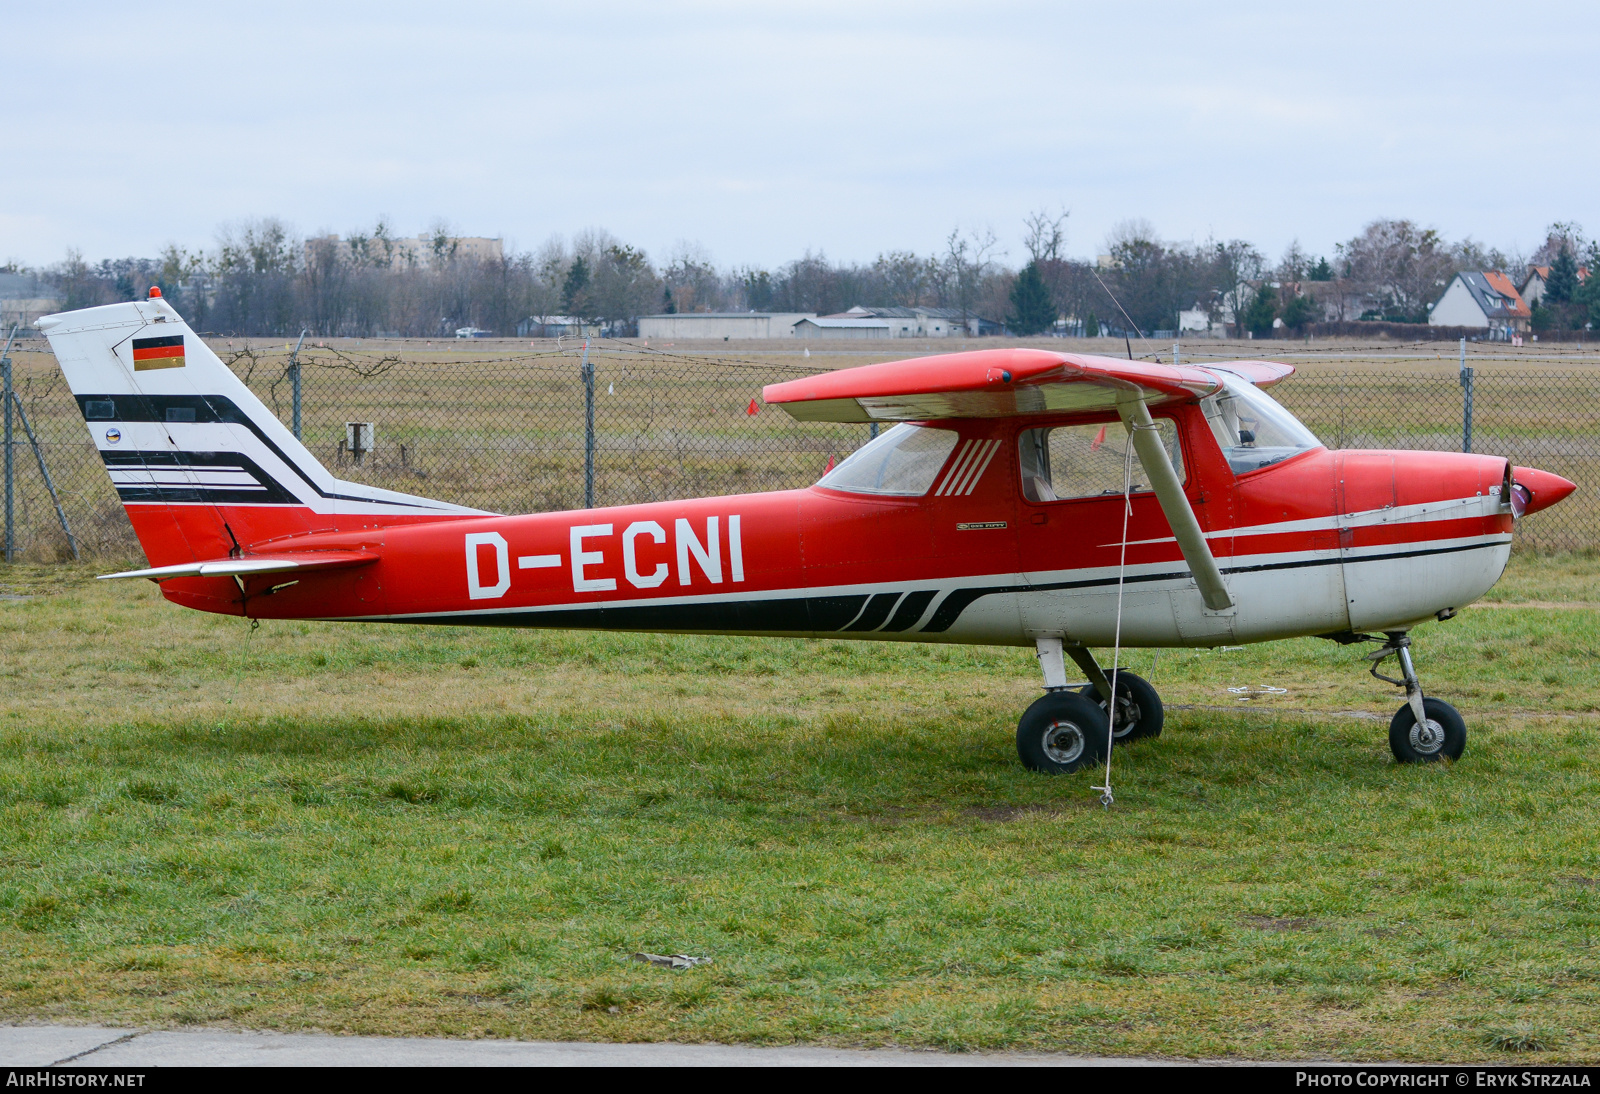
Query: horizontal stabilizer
[[242, 567]]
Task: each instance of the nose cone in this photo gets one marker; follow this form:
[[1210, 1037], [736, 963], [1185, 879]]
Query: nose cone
[[1544, 489]]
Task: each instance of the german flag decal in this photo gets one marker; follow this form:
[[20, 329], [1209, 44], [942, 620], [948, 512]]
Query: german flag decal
[[158, 352]]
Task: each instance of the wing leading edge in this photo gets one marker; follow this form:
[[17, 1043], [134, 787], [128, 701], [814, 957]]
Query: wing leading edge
[[998, 383]]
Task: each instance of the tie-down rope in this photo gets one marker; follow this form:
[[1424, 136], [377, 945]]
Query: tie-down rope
[[1106, 796]]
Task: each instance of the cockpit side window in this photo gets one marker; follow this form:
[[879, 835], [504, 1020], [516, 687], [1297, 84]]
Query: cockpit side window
[[1252, 429], [1085, 461], [902, 461]]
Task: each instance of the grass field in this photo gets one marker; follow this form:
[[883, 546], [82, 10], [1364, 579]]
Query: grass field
[[468, 833]]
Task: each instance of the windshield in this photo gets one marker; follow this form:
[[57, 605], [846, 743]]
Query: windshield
[[904, 461], [1253, 430]]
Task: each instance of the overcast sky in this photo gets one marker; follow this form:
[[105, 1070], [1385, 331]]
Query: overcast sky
[[762, 130]]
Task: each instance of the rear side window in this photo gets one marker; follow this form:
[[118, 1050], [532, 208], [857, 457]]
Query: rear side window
[[904, 461], [1086, 461], [99, 409]]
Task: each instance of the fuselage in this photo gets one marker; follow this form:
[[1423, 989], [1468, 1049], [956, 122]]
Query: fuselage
[[1322, 542]]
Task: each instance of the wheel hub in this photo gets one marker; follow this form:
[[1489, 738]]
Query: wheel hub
[[1127, 717], [1428, 737], [1063, 742]]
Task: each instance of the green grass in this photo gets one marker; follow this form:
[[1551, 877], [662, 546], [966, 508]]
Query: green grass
[[468, 833]]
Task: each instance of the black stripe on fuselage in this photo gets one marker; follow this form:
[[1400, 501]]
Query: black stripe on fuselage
[[207, 410], [876, 611], [798, 615], [164, 464]]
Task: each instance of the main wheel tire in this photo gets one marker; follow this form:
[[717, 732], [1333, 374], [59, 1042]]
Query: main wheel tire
[[1061, 732], [1444, 736], [1139, 710]]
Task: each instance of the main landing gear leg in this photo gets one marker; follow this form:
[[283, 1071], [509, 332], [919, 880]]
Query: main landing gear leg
[[1424, 730], [1065, 729], [1139, 711]]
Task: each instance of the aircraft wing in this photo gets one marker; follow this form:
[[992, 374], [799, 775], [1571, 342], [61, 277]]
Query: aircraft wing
[[253, 564], [989, 384], [1259, 373]]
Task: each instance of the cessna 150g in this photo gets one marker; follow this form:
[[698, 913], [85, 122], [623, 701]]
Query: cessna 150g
[[1004, 508]]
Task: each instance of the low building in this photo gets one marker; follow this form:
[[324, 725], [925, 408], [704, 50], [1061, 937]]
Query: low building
[[24, 298], [830, 327], [910, 322], [560, 326], [721, 325], [1481, 298]]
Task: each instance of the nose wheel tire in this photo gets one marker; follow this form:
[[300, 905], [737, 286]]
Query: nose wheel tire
[[1061, 732], [1139, 711], [1443, 736]]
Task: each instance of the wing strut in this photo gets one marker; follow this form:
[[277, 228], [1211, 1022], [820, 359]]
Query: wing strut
[[1169, 492]]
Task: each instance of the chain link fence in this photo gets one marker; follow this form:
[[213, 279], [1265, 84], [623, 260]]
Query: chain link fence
[[508, 433]]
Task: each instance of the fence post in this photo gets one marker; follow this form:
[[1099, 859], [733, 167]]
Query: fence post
[[44, 472], [588, 428], [1466, 400], [5, 383], [294, 380], [1174, 355]]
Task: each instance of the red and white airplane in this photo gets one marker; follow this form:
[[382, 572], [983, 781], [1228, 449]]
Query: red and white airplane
[[1004, 509]]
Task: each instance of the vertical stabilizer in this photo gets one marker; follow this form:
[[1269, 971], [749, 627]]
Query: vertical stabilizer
[[203, 468]]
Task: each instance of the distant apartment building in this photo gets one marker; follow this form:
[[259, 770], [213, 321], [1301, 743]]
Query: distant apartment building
[[406, 251], [24, 298]]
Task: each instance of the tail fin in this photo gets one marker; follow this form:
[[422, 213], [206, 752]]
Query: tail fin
[[203, 468]]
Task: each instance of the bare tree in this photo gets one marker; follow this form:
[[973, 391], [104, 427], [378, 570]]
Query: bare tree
[[1234, 265], [1403, 265], [967, 261]]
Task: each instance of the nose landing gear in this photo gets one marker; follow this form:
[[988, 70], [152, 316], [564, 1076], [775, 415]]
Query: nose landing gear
[[1424, 730]]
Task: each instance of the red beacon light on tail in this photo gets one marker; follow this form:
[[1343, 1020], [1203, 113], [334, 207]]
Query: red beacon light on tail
[[155, 292]]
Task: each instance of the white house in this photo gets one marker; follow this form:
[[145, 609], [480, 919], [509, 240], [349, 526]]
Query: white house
[[1538, 276], [721, 325], [1198, 321], [1481, 298]]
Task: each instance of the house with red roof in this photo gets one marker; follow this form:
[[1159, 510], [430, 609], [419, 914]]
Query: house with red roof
[[1482, 298], [1538, 276]]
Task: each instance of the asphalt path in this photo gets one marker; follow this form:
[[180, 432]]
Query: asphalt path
[[101, 1046]]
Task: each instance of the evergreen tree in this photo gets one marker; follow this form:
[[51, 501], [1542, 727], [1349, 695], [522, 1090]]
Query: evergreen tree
[[1562, 286], [574, 294], [1031, 308], [1320, 272], [1588, 295], [1091, 329], [1298, 312], [1262, 311], [668, 307]]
